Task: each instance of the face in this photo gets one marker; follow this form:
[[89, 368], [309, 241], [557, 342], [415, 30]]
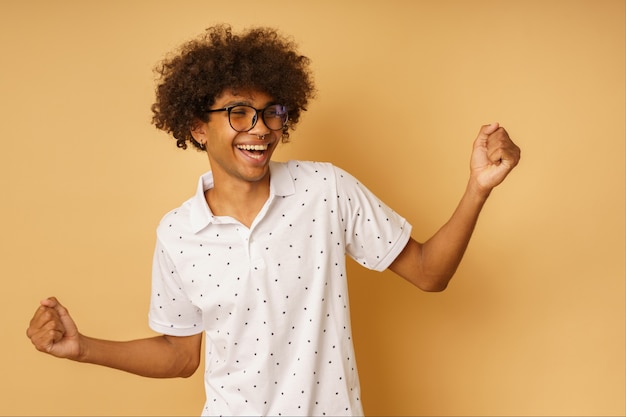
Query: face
[[238, 156]]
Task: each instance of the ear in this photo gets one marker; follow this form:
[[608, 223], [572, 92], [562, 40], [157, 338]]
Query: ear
[[199, 131]]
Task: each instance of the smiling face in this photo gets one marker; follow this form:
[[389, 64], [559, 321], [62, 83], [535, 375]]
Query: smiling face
[[241, 157]]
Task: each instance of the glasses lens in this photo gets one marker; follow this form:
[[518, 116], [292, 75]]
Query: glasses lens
[[242, 118], [275, 116]]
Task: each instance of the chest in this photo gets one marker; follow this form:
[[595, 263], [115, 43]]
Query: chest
[[291, 257]]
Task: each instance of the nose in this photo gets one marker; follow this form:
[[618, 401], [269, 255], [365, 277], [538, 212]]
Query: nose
[[260, 129]]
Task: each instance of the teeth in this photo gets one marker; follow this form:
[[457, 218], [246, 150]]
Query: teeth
[[253, 147]]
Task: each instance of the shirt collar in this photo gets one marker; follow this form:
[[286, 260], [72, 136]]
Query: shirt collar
[[281, 184]]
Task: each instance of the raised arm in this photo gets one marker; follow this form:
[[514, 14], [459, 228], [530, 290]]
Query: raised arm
[[431, 265], [52, 330]]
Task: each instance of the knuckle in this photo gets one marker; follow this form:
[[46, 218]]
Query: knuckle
[[39, 346], [52, 327], [38, 342], [50, 315]]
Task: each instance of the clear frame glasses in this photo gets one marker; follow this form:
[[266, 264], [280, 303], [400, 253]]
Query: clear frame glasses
[[243, 118]]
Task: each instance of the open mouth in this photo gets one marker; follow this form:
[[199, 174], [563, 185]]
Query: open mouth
[[254, 151]]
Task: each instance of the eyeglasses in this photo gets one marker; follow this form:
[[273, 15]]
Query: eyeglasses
[[243, 118]]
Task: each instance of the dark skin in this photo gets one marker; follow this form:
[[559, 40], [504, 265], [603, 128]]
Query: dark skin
[[240, 189]]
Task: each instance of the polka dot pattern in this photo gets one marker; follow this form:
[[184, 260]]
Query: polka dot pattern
[[273, 298]]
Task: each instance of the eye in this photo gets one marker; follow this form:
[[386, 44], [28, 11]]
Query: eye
[[239, 111], [276, 111]]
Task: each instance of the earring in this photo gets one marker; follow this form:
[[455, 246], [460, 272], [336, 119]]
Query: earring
[[200, 145]]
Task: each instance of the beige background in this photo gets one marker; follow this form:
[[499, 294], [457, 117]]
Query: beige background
[[533, 323]]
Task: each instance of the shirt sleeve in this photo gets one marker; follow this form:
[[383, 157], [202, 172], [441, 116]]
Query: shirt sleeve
[[375, 234], [171, 310]]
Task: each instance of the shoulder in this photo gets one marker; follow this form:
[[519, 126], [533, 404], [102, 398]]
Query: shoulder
[[192, 215], [314, 170], [176, 221], [321, 176], [308, 167]]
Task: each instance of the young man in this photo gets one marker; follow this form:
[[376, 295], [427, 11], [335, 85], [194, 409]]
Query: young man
[[256, 259]]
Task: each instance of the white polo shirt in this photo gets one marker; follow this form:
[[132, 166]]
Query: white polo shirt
[[273, 298]]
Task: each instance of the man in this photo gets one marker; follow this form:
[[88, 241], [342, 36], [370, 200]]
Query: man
[[256, 259]]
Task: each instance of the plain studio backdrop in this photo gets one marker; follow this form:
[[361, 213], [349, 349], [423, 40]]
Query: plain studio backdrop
[[532, 324]]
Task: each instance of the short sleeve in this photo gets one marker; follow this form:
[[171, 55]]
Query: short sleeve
[[374, 233], [171, 311]]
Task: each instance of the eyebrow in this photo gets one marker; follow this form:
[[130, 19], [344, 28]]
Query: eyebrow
[[237, 103], [246, 103]]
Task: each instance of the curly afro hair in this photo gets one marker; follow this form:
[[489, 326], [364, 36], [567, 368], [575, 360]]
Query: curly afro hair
[[259, 59]]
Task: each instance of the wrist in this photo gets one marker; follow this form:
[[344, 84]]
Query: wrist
[[476, 191], [82, 354]]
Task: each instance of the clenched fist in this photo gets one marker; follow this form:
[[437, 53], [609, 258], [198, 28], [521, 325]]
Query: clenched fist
[[53, 331], [494, 155]]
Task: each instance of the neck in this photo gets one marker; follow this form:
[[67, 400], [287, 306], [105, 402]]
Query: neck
[[241, 200]]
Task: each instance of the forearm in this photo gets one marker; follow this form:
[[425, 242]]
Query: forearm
[[155, 357], [443, 252], [431, 265]]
